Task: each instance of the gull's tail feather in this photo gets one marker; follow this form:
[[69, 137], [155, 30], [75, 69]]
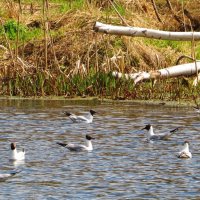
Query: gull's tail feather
[[196, 103], [196, 108], [15, 172], [61, 144], [67, 113], [167, 136], [174, 130]]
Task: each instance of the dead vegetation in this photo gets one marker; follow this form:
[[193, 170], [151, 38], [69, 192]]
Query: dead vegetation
[[49, 63]]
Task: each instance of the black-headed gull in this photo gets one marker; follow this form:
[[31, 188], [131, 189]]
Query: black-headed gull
[[15, 155], [78, 118], [152, 136], [185, 152], [75, 147], [197, 108]]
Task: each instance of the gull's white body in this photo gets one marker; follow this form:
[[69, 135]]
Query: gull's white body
[[152, 136], [197, 109], [79, 118], [3, 177], [15, 155], [185, 152], [75, 147], [86, 119]]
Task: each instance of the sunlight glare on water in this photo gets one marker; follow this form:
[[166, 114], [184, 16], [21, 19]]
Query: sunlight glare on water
[[121, 166]]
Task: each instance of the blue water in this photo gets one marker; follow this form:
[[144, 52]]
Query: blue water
[[121, 166]]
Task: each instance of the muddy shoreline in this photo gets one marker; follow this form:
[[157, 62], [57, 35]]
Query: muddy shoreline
[[96, 100]]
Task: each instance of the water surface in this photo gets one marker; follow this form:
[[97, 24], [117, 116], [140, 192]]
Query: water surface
[[122, 166]]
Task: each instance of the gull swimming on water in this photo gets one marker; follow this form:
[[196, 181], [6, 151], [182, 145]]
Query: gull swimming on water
[[76, 147], [197, 108], [78, 118], [152, 136], [185, 152], [15, 155], [5, 176]]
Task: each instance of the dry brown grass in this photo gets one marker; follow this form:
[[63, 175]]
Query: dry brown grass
[[71, 38]]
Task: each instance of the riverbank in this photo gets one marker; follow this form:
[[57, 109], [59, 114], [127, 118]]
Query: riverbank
[[97, 101], [52, 50]]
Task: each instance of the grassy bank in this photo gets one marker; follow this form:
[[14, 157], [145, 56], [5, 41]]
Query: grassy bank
[[49, 48]]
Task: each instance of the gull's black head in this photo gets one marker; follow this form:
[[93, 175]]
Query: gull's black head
[[88, 137], [92, 112], [186, 142], [147, 127], [13, 146]]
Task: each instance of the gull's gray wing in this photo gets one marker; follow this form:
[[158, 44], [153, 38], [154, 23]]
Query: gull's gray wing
[[72, 147], [82, 119], [166, 136], [77, 119], [61, 144], [73, 117]]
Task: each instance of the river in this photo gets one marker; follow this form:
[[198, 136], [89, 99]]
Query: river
[[121, 166]]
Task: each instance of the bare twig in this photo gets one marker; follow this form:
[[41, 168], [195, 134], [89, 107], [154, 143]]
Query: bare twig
[[22, 63], [183, 56], [45, 21], [96, 54], [113, 4], [18, 21], [156, 11], [176, 17]]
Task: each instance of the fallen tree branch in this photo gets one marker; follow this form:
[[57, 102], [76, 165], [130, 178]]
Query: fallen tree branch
[[144, 32], [173, 71]]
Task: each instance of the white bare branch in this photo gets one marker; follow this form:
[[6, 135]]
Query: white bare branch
[[173, 71], [145, 32]]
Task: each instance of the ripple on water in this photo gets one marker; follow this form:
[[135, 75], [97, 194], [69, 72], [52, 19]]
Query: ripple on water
[[122, 166]]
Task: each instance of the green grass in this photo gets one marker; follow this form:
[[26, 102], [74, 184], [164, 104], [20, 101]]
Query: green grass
[[75, 5], [25, 34], [120, 8], [98, 84], [11, 28], [197, 51], [118, 42], [176, 45]]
